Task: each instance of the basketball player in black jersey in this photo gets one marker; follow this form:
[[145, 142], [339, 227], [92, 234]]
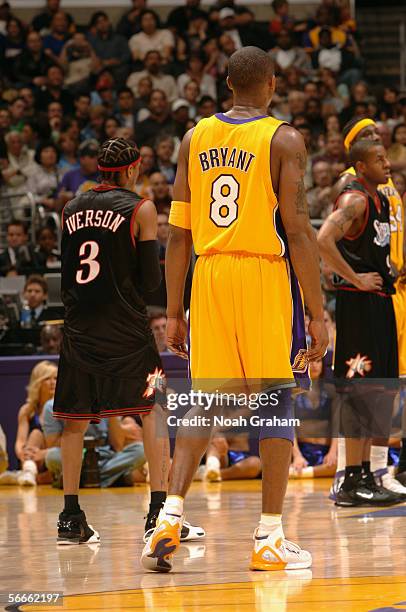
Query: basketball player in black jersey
[[109, 364], [355, 242]]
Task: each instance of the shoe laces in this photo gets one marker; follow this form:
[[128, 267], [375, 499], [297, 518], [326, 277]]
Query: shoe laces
[[292, 547]]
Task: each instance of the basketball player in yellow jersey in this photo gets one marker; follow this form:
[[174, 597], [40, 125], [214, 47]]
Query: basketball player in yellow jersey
[[354, 131], [237, 174]]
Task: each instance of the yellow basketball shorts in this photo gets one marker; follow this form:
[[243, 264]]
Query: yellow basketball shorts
[[399, 305], [241, 318]]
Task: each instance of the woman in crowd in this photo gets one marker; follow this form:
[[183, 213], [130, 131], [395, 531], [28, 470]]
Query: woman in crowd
[[30, 443], [69, 153], [110, 127], [11, 45], [195, 70], [44, 182], [47, 255], [397, 151]]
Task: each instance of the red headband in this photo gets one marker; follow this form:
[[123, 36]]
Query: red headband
[[119, 168]]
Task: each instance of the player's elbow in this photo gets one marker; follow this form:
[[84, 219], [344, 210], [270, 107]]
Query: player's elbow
[[324, 242]]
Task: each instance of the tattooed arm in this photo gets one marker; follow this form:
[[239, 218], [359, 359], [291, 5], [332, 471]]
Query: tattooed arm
[[288, 165], [346, 219]]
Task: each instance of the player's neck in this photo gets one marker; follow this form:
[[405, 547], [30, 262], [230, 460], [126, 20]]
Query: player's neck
[[245, 109], [370, 186]]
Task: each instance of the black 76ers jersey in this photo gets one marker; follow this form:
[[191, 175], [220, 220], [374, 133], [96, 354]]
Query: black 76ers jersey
[[369, 250], [106, 328]]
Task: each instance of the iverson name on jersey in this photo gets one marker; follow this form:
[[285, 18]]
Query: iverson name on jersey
[[106, 219], [224, 157]]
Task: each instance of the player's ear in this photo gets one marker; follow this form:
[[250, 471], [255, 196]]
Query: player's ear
[[273, 84], [230, 87]]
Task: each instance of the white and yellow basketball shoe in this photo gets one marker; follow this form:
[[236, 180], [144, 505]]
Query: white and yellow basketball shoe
[[272, 555], [162, 543]]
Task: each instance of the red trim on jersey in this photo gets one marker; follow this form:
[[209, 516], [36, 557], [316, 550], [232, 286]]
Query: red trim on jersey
[[364, 224], [132, 220], [375, 197], [105, 187], [381, 293]]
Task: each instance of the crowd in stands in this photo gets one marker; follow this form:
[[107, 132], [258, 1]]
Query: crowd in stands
[[66, 86]]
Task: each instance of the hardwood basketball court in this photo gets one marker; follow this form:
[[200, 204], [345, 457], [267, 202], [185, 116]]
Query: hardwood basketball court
[[359, 554]]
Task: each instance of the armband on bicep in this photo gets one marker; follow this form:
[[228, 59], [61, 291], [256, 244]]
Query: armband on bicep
[[180, 214]]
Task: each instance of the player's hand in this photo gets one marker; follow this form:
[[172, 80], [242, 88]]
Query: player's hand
[[299, 462], [319, 335], [330, 458], [176, 331], [369, 281]]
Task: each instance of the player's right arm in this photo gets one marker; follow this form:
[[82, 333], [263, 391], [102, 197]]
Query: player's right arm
[[288, 165], [351, 208], [178, 254]]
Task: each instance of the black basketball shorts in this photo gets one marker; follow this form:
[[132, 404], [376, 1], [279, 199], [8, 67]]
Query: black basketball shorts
[[81, 395], [366, 340]]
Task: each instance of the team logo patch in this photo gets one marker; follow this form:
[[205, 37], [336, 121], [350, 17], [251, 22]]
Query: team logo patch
[[382, 230], [155, 382], [300, 362], [358, 365]]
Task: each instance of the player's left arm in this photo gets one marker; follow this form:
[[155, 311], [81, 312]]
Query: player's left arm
[[288, 165], [145, 229], [178, 253]]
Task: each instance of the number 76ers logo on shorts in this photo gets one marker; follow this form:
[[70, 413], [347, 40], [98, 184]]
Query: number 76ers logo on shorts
[[358, 365], [155, 382]]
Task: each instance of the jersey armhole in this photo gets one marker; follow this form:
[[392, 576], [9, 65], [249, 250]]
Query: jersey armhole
[[132, 220], [366, 215]]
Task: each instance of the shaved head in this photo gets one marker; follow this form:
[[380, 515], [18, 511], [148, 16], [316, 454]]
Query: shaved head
[[249, 68], [361, 150]]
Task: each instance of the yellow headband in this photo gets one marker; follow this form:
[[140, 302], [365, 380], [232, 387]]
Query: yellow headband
[[356, 130]]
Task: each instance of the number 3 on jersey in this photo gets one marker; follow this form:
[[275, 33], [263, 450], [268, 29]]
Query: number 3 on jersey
[[88, 252], [224, 205]]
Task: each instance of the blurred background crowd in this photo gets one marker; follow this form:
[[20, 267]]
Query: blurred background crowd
[[66, 86]]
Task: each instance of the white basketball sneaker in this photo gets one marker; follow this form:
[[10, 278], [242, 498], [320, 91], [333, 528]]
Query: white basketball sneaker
[[384, 479], [272, 555]]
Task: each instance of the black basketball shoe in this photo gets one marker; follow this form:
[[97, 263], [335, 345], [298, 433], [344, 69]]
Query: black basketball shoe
[[362, 490], [73, 529], [189, 532], [382, 495]]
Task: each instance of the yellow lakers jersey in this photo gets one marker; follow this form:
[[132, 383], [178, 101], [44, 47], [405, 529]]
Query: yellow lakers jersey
[[396, 220], [233, 204]]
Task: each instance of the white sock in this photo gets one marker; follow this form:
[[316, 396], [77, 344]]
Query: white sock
[[307, 472], [213, 463], [30, 466], [379, 458], [270, 524], [341, 462], [174, 505]]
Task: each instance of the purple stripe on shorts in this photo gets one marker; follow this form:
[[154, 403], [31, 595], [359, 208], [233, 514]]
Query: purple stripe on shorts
[[299, 345]]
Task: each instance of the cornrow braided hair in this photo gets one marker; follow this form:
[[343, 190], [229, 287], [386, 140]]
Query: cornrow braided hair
[[117, 154]]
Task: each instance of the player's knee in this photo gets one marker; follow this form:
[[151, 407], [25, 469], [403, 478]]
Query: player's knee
[[252, 467], [53, 460], [75, 427]]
